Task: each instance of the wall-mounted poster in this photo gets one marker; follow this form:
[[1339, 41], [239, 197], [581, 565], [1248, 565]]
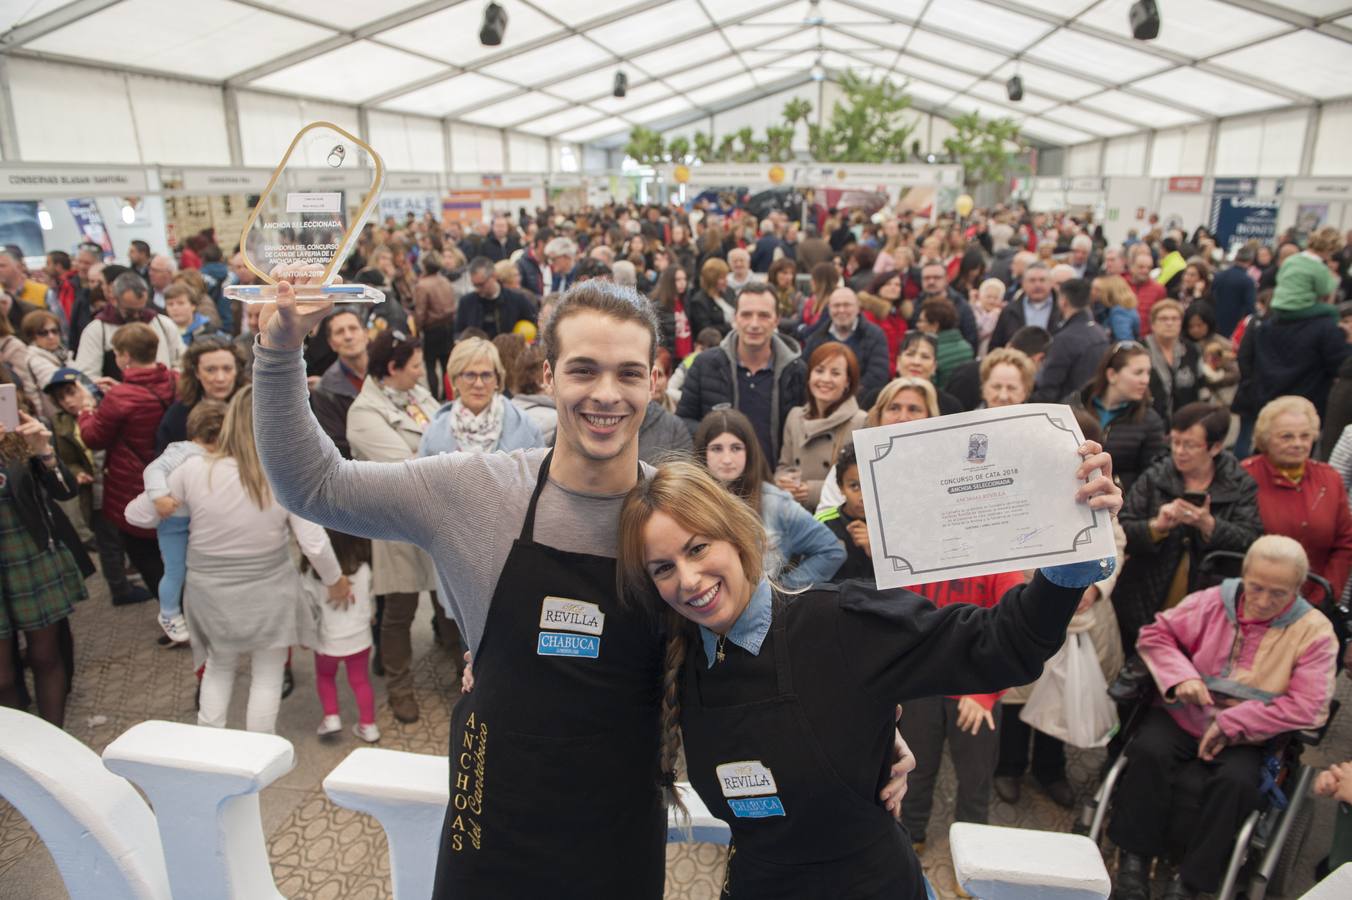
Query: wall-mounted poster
[[19, 226], [87, 218]]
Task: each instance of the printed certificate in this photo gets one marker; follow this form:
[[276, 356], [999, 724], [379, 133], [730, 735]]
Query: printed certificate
[[977, 493]]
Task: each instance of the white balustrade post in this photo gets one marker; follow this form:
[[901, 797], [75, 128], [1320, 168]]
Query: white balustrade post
[[407, 794], [204, 784], [99, 831], [995, 863]]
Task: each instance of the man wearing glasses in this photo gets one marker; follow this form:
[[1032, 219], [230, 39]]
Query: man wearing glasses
[[492, 308]]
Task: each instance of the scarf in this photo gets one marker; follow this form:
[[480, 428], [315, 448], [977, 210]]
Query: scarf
[[406, 401], [477, 434], [1292, 474]]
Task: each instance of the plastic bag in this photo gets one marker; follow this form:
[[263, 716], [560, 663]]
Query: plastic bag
[[1070, 701]]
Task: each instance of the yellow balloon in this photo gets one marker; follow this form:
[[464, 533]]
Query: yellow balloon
[[526, 329], [964, 204]]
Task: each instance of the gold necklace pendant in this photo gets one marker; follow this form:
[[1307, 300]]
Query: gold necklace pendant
[[719, 655]]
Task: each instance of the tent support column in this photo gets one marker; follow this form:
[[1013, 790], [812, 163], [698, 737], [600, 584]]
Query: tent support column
[[9, 129], [232, 135]]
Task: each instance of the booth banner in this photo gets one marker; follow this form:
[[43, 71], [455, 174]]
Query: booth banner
[[1186, 184], [1240, 187], [1236, 220], [1310, 216], [89, 221], [30, 182], [398, 204], [1318, 188], [726, 174], [465, 207], [844, 175], [357, 179], [412, 181], [564, 180], [223, 181], [879, 174]]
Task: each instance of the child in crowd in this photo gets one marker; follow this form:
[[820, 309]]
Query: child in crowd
[[341, 633], [180, 305], [204, 430], [848, 522], [705, 340]]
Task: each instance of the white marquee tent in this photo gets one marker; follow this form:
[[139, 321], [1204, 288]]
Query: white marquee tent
[[225, 82]]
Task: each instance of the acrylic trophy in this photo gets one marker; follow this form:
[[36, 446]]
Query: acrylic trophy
[[311, 214]]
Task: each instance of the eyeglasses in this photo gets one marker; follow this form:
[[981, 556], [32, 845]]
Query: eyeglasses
[[1127, 345], [47, 331], [474, 377]]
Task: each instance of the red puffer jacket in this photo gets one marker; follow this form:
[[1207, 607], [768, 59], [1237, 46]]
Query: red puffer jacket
[[124, 424]]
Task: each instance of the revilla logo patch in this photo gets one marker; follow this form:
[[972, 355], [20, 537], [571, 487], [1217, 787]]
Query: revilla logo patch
[[750, 789], [570, 628]]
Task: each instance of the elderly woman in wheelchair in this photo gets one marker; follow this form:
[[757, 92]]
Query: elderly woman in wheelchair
[[1235, 665]]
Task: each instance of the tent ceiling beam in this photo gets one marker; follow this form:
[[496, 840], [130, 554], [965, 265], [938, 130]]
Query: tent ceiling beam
[[1296, 98], [367, 31], [57, 18], [1054, 67], [553, 37]]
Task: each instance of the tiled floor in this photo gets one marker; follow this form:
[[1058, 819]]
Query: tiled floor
[[321, 851]]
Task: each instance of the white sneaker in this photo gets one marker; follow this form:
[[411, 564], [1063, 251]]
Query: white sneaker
[[176, 627], [330, 725], [369, 733]]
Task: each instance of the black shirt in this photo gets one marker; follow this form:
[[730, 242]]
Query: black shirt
[[753, 401]]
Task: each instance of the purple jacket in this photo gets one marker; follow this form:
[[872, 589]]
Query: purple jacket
[[1266, 677]]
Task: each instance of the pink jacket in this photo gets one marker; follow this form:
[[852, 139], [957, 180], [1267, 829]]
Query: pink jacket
[[1266, 677]]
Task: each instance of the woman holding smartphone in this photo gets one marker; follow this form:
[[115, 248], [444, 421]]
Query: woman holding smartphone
[[785, 702], [1187, 504]]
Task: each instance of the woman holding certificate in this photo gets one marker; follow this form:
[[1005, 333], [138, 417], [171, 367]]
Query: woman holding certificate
[[785, 703]]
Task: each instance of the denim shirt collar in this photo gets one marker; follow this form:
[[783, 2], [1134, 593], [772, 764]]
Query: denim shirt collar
[[749, 631]]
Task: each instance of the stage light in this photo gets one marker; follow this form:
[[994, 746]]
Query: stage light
[[621, 84], [1145, 20], [494, 27], [1014, 88]]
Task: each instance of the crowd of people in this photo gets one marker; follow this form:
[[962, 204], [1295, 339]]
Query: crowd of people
[[1219, 382]]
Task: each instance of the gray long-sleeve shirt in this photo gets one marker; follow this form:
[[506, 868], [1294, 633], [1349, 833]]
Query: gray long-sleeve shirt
[[464, 509]]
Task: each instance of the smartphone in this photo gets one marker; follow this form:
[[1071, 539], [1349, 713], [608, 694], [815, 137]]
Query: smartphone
[[9, 407], [1196, 498]]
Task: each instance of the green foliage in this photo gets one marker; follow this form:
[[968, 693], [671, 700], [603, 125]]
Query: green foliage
[[727, 148], [865, 125], [645, 146], [796, 110], [981, 147], [704, 146], [679, 150], [778, 144]]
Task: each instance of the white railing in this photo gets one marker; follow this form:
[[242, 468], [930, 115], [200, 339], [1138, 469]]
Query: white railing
[[204, 840]]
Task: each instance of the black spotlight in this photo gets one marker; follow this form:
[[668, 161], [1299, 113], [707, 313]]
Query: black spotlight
[[1145, 20], [1014, 88], [495, 25], [621, 84]]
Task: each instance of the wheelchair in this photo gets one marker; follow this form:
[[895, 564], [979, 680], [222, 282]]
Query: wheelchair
[[1269, 839]]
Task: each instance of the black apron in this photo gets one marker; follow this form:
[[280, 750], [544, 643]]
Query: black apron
[[554, 754], [797, 829]]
